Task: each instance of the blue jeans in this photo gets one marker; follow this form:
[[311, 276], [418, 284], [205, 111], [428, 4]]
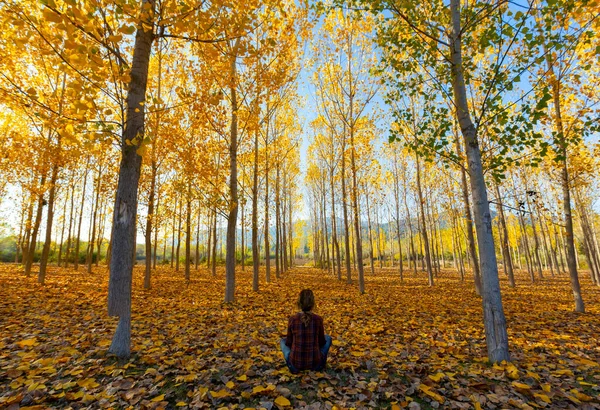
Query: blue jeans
[[324, 350]]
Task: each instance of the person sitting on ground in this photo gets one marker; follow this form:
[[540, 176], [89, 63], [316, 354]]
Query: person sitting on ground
[[306, 345]]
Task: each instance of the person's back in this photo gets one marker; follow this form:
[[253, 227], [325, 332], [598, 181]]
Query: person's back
[[306, 345]]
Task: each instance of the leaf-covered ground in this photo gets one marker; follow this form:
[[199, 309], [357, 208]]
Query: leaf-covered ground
[[400, 345]]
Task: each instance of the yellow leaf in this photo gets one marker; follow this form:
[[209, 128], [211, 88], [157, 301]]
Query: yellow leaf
[[49, 15], [543, 397], [563, 372], [219, 394], [88, 383], [521, 385], [437, 377], [427, 390], [258, 389], [36, 386], [127, 29], [243, 378], [282, 401], [181, 404], [512, 372], [336, 343], [395, 407], [230, 385], [158, 398], [27, 342], [533, 375], [573, 399], [581, 396]]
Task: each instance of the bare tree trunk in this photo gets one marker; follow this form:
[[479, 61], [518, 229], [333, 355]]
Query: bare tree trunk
[[380, 256], [101, 229], [278, 223], [49, 220], [149, 218], [188, 233], [336, 243], [568, 219], [423, 225], [62, 230], [545, 237], [209, 235], [469, 224], [508, 266], [345, 212], [197, 253], [267, 246], [410, 229], [28, 230], [36, 226], [90, 252], [233, 189], [284, 230], [354, 197], [370, 233], [156, 228], [291, 229], [214, 245], [536, 242], [84, 186], [179, 223], [493, 311], [19, 243], [173, 232], [243, 247], [255, 249], [125, 210]]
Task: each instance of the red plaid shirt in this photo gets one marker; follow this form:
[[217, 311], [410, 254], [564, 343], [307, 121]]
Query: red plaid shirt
[[305, 342]]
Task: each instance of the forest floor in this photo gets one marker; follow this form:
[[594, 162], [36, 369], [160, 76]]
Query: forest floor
[[399, 345]]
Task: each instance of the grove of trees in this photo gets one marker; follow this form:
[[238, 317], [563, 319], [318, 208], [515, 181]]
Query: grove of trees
[[434, 136]]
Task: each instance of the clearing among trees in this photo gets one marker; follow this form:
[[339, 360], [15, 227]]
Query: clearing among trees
[[400, 343]]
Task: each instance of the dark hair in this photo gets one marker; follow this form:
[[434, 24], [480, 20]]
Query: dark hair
[[306, 302]]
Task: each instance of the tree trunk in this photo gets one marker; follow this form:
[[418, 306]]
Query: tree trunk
[[83, 188], [423, 225], [156, 228], [336, 243], [277, 223], [493, 311], [566, 189], [214, 245], [255, 249], [125, 210], [149, 217], [197, 253], [49, 220], [266, 228], [36, 226], [243, 245], [178, 248], [508, 266], [95, 206], [536, 242], [469, 223], [173, 232], [345, 212], [371, 253], [209, 235], [62, 230], [188, 234], [233, 189]]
